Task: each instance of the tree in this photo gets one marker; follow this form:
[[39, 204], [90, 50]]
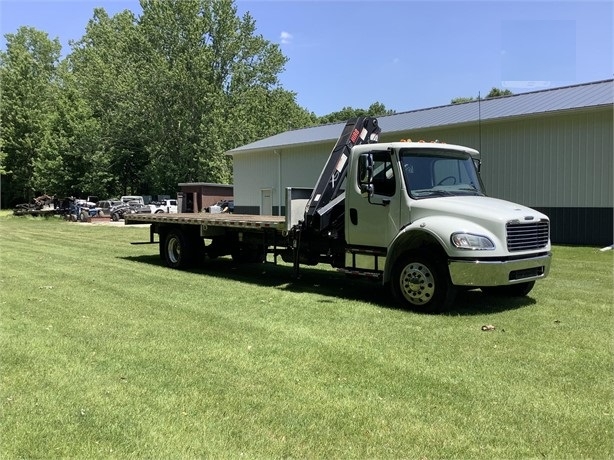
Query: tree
[[28, 75], [462, 100], [212, 83], [177, 87], [376, 109], [81, 166], [494, 92], [105, 67], [141, 103]]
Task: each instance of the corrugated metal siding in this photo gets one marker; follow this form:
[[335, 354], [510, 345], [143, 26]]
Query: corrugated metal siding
[[301, 166], [546, 161], [251, 173], [562, 160]]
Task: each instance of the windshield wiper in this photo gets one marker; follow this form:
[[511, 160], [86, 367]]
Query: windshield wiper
[[431, 192], [471, 188]]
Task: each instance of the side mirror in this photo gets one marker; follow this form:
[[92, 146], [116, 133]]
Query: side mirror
[[478, 164], [366, 174]]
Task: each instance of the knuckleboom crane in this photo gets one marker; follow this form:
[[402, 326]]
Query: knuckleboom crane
[[327, 193], [324, 212]]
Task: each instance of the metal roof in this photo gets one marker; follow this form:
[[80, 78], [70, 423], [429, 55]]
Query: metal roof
[[595, 94]]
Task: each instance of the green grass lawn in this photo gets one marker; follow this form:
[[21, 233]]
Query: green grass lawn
[[107, 354]]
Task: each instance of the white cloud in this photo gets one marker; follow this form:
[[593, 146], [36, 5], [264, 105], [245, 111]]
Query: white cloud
[[285, 38]]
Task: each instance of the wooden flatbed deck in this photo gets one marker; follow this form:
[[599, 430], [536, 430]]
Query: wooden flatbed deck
[[247, 221]]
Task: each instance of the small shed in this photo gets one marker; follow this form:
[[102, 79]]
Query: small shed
[[196, 196]]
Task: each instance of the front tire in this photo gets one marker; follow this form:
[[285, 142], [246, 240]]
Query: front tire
[[421, 283]]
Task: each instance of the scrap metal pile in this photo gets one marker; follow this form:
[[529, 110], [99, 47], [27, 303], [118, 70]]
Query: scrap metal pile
[[39, 206], [70, 208]]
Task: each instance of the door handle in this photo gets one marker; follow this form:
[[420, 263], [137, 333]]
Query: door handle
[[354, 216]]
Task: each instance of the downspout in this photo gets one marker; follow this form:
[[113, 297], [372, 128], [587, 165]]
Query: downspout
[[278, 153]]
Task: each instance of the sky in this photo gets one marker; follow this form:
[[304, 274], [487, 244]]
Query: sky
[[405, 54]]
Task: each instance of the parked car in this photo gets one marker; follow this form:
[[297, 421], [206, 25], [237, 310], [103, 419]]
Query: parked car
[[137, 207], [106, 205], [131, 207]]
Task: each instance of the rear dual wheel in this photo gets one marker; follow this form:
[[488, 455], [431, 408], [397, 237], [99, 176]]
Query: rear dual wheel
[[181, 248]]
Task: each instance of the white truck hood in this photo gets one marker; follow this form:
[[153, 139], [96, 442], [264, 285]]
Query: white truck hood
[[477, 215], [478, 209]]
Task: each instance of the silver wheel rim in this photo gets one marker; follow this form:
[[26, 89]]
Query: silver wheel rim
[[417, 283], [174, 250]]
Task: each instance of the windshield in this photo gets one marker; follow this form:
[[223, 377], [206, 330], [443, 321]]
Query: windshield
[[432, 173]]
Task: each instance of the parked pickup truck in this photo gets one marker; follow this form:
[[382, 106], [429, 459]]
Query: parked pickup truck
[[128, 198], [169, 206]]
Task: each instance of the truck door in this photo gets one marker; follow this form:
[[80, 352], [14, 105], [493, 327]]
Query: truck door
[[373, 221]]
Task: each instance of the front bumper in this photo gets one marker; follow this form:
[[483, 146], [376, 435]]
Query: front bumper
[[480, 273]]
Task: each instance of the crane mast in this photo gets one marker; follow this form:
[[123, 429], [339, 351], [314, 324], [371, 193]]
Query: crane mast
[[327, 194]]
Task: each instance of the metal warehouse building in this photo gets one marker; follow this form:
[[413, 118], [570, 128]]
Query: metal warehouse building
[[552, 150]]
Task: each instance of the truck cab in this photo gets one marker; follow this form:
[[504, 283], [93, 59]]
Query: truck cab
[[417, 215]]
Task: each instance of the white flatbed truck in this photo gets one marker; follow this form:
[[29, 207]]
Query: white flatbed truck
[[411, 215]]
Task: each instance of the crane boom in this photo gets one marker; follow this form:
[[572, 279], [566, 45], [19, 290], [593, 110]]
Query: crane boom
[[360, 130]]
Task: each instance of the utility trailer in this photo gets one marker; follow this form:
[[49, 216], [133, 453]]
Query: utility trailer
[[410, 215]]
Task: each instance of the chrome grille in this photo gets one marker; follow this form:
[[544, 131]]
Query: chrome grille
[[529, 235]]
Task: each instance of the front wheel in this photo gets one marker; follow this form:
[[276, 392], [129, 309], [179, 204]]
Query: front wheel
[[422, 283]]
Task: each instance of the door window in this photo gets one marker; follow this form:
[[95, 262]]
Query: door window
[[384, 182]]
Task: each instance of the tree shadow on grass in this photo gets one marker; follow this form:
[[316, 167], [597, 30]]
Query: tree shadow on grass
[[330, 283]]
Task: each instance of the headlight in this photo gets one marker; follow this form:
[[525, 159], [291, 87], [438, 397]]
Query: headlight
[[472, 242]]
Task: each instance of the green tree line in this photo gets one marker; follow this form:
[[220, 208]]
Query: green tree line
[[141, 103], [494, 92]]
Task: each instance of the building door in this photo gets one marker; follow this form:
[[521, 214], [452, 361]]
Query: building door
[[266, 202]]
